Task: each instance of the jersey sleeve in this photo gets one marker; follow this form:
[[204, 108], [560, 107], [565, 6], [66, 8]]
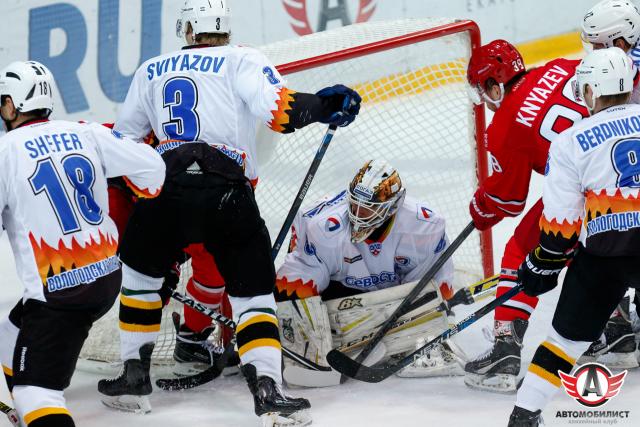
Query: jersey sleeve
[[505, 192], [563, 199], [140, 165], [262, 88], [132, 120], [430, 243], [306, 269], [4, 187]]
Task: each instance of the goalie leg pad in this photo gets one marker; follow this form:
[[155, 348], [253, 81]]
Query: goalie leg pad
[[304, 328]]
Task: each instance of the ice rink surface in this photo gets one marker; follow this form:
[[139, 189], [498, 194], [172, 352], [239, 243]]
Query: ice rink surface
[[226, 402]]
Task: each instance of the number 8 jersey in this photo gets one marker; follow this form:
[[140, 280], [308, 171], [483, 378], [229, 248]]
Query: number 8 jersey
[[592, 187], [53, 194]]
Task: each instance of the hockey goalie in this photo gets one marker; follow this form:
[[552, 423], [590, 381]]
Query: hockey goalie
[[351, 261]]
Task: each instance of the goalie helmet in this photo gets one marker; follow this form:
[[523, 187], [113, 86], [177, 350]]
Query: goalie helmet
[[205, 17], [607, 71], [29, 84], [610, 20], [498, 60], [374, 195]]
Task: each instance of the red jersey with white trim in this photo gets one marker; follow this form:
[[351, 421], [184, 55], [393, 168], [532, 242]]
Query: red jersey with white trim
[[321, 251], [216, 95], [540, 106], [53, 194], [592, 188]]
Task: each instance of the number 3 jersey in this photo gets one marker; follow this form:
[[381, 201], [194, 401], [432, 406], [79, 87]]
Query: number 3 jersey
[[540, 106], [53, 193], [591, 191], [213, 94], [321, 251]]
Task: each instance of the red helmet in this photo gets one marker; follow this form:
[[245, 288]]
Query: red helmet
[[498, 60]]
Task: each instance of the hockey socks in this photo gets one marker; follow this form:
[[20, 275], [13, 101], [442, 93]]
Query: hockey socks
[[140, 311], [542, 379], [208, 295]]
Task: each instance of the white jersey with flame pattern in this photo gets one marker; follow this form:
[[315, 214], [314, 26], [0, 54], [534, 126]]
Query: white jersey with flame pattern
[[321, 250], [53, 193], [217, 95], [592, 188]]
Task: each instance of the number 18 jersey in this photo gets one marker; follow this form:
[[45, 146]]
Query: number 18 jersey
[[53, 196]]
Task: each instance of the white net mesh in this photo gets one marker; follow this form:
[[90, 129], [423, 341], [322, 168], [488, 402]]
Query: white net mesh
[[415, 114]]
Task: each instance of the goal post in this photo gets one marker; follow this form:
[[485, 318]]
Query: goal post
[[415, 114]]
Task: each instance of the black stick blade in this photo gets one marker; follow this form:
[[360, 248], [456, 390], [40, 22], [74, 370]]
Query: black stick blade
[[349, 367]]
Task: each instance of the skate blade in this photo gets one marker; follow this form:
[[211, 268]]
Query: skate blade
[[127, 403], [297, 419], [413, 371], [496, 383], [619, 360]]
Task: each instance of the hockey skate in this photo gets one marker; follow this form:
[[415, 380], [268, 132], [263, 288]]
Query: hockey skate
[[520, 417], [128, 392], [194, 351], [274, 408], [616, 348], [498, 369], [441, 361]]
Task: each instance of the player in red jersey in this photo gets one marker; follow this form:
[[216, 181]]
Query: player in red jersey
[[531, 108]]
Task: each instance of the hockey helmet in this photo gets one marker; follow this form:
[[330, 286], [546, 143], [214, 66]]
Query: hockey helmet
[[498, 60], [610, 20], [205, 17], [374, 195], [29, 84], [607, 71]]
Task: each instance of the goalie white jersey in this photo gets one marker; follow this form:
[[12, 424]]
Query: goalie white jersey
[[321, 250], [592, 188], [53, 193], [217, 95]]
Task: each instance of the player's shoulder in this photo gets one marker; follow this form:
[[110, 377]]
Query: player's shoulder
[[328, 217], [415, 216]]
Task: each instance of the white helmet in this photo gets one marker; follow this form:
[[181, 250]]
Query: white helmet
[[607, 71], [205, 16], [29, 84], [374, 195], [610, 20]]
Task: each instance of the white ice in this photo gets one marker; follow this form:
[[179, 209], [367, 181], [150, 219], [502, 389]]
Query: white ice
[[226, 402]]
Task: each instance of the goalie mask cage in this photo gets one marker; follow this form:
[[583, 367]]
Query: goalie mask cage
[[415, 114]]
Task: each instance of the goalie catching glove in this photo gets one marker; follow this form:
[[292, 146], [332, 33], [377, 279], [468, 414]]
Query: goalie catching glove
[[540, 270]]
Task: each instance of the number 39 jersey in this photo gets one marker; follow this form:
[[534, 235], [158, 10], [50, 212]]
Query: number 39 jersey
[[592, 188], [53, 194], [217, 95], [540, 106]]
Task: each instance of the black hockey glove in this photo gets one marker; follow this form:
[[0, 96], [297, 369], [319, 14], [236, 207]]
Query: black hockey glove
[[540, 270], [169, 284], [341, 103]]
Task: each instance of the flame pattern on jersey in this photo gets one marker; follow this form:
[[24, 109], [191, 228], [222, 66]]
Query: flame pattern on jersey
[[296, 289], [52, 261], [141, 192], [281, 119], [565, 229], [601, 203]]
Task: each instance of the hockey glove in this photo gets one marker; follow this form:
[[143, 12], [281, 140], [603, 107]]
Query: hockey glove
[[482, 217], [342, 105], [540, 270], [169, 284]]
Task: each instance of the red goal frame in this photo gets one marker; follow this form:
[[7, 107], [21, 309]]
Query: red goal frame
[[461, 26]]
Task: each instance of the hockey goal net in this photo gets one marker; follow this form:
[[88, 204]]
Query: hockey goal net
[[415, 114]]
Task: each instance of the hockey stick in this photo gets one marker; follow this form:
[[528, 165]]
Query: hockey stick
[[306, 183], [374, 374], [10, 413], [401, 309], [302, 377]]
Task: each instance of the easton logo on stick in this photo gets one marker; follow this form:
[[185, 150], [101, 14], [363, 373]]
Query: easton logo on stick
[[593, 384]]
